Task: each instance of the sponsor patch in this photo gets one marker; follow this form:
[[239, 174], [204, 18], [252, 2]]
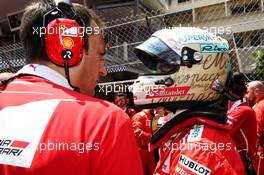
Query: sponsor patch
[[21, 129], [174, 44], [210, 48], [168, 92], [72, 31], [181, 171], [196, 133], [68, 43], [193, 165]]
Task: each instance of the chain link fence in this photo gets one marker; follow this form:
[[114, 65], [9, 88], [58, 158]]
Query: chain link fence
[[241, 22], [12, 57]]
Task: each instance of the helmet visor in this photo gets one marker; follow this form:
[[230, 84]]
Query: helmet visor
[[158, 56]]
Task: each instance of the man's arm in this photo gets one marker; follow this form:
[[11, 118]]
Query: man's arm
[[143, 138]]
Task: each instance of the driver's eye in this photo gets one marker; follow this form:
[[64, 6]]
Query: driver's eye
[[164, 68]]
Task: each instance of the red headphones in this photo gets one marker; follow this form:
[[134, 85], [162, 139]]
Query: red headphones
[[65, 35]]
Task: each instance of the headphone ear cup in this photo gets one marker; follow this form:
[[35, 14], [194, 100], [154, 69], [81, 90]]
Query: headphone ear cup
[[64, 42]]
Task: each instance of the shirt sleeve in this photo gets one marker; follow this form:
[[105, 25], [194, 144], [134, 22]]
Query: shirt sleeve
[[143, 137]]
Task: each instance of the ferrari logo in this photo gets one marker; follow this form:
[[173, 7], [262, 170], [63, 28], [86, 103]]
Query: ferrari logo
[[62, 27]]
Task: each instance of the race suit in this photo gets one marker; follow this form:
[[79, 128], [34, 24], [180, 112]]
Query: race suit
[[48, 129], [205, 148], [141, 122], [244, 131], [259, 109]]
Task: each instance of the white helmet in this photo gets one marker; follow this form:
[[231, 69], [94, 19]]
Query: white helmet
[[185, 63]]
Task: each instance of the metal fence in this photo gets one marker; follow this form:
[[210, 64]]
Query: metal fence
[[12, 57], [241, 22]]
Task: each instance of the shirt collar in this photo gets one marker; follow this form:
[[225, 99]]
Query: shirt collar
[[259, 99], [236, 104], [45, 72]]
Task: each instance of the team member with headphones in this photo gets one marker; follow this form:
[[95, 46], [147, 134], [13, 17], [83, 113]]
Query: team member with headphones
[[47, 126]]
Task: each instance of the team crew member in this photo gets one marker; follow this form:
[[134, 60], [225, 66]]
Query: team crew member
[[193, 82], [47, 128], [255, 95], [243, 118], [141, 123], [122, 101]]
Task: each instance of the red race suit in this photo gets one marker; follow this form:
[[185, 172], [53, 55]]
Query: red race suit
[[141, 122], [198, 149], [48, 129]]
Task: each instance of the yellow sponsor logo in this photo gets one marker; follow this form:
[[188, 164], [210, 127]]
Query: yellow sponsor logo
[[68, 43]]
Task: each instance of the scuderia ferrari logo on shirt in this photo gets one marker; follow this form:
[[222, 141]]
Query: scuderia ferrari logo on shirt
[[12, 147], [21, 129], [193, 165]]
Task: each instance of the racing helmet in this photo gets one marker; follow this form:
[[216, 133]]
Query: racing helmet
[[186, 63]]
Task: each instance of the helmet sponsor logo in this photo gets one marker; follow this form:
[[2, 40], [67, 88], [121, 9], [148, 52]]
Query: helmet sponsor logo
[[174, 44], [193, 165], [168, 92], [209, 48], [68, 43], [196, 38]]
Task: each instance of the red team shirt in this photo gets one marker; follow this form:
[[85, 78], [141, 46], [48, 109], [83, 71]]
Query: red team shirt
[[244, 129], [259, 109], [48, 129], [141, 123]]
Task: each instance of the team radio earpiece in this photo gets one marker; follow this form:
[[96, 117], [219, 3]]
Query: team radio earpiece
[[65, 35]]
